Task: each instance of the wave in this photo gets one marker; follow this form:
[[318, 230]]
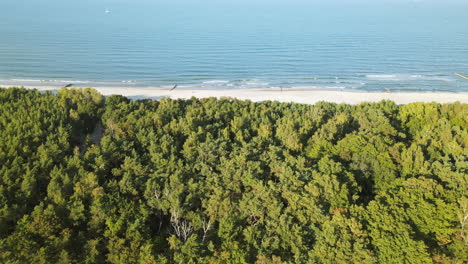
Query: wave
[[408, 77], [215, 82], [230, 84], [355, 82], [22, 80], [45, 81], [322, 83]]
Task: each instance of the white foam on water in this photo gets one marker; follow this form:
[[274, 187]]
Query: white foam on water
[[215, 82], [43, 81], [406, 77], [24, 80], [382, 77]]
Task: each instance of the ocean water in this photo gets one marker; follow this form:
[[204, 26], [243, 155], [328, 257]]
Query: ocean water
[[208, 44]]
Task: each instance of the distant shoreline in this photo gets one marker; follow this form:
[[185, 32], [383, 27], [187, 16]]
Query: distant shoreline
[[303, 96]]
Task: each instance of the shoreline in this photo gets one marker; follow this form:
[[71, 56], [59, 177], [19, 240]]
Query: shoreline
[[302, 96]]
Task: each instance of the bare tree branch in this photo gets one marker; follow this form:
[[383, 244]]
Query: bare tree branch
[[183, 229], [206, 227]]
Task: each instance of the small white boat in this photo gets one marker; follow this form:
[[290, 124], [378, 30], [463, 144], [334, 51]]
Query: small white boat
[[107, 11]]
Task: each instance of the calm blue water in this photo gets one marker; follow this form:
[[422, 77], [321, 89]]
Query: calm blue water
[[235, 44]]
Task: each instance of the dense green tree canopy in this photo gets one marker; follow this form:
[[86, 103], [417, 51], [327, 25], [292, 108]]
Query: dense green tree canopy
[[88, 179]]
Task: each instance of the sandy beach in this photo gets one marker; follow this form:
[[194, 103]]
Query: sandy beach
[[286, 95]]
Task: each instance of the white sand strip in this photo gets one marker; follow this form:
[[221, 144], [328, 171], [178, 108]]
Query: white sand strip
[[287, 95]]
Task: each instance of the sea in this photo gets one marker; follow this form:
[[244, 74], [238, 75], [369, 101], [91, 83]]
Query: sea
[[345, 45]]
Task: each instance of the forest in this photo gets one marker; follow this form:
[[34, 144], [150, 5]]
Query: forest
[[91, 179]]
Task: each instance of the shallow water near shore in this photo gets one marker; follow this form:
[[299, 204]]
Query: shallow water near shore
[[410, 46]]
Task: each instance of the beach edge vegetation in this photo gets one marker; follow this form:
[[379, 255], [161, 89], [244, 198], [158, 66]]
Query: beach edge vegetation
[[89, 179]]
